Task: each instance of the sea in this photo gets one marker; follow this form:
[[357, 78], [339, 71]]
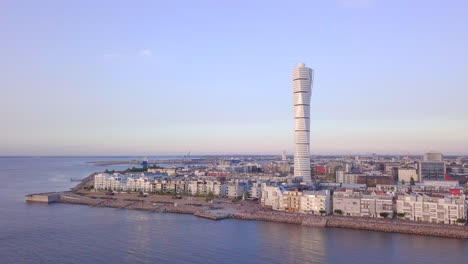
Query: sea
[[65, 233]]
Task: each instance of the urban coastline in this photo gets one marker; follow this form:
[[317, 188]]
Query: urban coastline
[[211, 196], [424, 194]]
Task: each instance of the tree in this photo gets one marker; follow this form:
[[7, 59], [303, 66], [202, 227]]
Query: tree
[[401, 215], [384, 214], [209, 196], [461, 220], [412, 181], [322, 212], [403, 182], [338, 212]]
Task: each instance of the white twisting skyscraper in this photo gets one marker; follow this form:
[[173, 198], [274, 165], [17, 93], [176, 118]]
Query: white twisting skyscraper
[[302, 88]]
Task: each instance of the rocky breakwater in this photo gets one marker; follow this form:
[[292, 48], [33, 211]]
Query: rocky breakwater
[[399, 226], [282, 217]]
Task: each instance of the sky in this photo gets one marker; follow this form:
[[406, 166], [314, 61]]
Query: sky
[[215, 77]]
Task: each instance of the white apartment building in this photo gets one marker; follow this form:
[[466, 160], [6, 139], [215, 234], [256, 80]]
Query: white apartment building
[[356, 203], [217, 188], [236, 189], [141, 183], [312, 202], [346, 178], [197, 188], [272, 197], [114, 182], [256, 190], [348, 202], [435, 209], [377, 205], [405, 174]]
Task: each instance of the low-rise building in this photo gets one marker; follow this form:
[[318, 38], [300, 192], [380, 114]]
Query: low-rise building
[[377, 205], [316, 202], [405, 174], [272, 197], [432, 208], [347, 202]]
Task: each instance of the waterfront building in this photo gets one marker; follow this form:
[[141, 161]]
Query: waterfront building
[[236, 189], [110, 182], [292, 201], [432, 208], [377, 205], [197, 188], [272, 197], [316, 202], [347, 202], [256, 190], [302, 88], [137, 184]]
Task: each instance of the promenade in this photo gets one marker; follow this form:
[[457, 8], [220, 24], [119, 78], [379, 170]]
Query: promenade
[[222, 208]]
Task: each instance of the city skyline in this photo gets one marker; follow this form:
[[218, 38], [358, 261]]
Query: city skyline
[[112, 84]]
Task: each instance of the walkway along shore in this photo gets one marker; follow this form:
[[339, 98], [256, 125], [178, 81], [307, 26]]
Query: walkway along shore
[[223, 208]]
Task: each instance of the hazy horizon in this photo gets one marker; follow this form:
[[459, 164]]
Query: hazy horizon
[[107, 78]]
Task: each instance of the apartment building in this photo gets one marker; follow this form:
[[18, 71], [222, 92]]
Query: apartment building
[[377, 204], [315, 202], [272, 197], [347, 202], [432, 208]]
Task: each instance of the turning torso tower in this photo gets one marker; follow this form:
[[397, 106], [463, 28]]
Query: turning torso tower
[[302, 88]]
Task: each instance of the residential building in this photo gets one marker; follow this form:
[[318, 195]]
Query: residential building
[[347, 202], [302, 88], [316, 202], [405, 174], [432, 208]]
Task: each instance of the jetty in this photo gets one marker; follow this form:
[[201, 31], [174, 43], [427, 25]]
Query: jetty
[[49, 197]]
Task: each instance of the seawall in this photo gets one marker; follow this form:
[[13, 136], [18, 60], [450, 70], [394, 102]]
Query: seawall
[[224, 208]]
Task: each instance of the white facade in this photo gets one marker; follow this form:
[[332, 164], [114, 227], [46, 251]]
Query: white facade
[[110, 182], [407, 174], [348, 202], [272, 197], [375, 205], [236, 189], [312, 202], [346, 178], [256, 190], [302, 88], [433, 209]]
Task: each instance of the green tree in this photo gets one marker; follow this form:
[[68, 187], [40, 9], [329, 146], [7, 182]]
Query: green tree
[[338, 212], [209, 196], [403, 182], [401, 215], [412, 181], [322, 212], [384, 214]]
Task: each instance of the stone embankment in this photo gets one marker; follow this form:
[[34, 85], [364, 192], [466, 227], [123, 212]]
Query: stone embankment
[[223, 208]]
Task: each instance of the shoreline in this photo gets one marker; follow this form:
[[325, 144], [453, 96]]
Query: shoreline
[[224, 208]]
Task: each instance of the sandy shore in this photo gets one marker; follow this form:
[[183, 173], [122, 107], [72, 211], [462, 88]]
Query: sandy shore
[[248, 210]]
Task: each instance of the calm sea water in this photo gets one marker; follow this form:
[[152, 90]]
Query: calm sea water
[[60, 233]]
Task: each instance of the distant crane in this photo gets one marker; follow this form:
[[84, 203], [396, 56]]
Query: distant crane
[[187, 157]]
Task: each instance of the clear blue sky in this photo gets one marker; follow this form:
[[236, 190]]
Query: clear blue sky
[[166, 77]]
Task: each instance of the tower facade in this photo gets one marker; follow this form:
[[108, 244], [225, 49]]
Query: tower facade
[[302, 88]]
